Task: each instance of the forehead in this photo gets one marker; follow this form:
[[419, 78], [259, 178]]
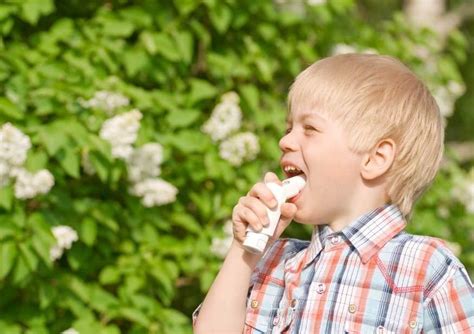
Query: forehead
[[302, 114]]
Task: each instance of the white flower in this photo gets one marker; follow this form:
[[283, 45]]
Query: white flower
[[445, 101], [456, 88], [144, 162], [241, 147], [105, 100], [342, 49], [70, 331], [469, 197], [4, 173], [230, 97], [65, 236], [28, 185], [55, 252], [220, 246], [121, 132], [454, 247], [463, 191], [226, 117], [154, 192], [443, 211], [14, 146], [316, 2]]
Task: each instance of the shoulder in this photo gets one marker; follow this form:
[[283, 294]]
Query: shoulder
[[431, 255], [434, 252], [439, 253]]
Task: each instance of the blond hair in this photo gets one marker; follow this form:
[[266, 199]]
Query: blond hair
[[375, 97]]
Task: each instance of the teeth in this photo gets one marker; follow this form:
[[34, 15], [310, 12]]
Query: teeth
[[292, 169]]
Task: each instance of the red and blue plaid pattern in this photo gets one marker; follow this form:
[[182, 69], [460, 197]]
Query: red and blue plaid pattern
[[371, 277]]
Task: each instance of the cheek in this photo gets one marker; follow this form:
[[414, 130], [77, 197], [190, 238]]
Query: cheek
[[333, 173]]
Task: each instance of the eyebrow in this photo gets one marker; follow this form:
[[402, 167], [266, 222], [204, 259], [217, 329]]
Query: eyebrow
[[307, 115]]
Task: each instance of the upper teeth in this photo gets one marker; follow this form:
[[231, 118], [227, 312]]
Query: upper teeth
[[291, 169]]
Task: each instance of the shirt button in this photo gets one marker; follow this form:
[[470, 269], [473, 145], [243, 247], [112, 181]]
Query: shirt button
[[412, 324], [254, 304], [293, 303], [380, 330], [352, 308], [335, 239], [320, 288]]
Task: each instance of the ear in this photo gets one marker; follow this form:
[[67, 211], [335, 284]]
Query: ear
[[378, 160]]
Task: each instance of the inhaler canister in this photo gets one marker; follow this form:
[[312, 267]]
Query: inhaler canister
[[255, 242]]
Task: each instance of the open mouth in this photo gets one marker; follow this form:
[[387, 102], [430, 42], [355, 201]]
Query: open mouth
[[291, 171]]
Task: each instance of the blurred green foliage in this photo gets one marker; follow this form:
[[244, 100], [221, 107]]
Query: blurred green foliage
[[144, 270]]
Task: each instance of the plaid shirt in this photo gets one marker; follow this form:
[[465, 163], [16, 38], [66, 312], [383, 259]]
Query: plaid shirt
[[371, 277]]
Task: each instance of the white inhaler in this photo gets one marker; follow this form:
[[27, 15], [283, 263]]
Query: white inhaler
[[255, 242]]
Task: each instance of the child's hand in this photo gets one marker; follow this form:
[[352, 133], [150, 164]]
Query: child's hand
[[251, 210]]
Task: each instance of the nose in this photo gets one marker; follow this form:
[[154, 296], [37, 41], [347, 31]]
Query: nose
[[287, 142]]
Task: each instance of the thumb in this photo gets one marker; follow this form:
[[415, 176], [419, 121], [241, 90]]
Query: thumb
[[271, 177], [288, 211]]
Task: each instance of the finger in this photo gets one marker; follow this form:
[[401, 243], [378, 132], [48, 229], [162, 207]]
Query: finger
[[252, 219], [288, 211], [257, 208], [262, 192], [271, 177]]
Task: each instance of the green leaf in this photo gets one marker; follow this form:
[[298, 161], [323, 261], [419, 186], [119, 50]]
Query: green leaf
[[6, 11], [186, 221], [109, 275], [201, 90], [36, 161], [117, 28], [149, 42], [166, 47], [6, 197], [135, 316], [29, 256], [189, 141], [134, 60], [33, 9], [8, 254], [185, 45], [52, 138], [69, 160], [46, 295], [250, 95], [182, 118], [21, 270], [186, 6], [101, 165], [102, 300], [10, 110], [10, 328], [88, 231], [221, 17]]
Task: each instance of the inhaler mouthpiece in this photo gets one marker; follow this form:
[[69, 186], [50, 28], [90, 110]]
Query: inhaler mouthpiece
[[255, 242]]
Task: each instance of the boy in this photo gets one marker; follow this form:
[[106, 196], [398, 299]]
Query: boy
[[368, 137]]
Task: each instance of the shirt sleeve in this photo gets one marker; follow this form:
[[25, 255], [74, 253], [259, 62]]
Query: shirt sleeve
[[450, 308]]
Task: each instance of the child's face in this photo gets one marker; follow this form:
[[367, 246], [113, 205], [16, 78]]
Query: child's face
[[318, 146]]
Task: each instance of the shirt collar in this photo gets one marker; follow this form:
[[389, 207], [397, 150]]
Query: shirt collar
[[367, 234]]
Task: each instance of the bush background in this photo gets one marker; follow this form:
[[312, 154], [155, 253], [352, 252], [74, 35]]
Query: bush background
[[144, 270]]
